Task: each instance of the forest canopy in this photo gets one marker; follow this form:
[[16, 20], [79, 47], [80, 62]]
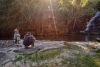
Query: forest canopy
[[22, 13]]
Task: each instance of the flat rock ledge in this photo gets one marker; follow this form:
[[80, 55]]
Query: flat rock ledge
[[8, 50]]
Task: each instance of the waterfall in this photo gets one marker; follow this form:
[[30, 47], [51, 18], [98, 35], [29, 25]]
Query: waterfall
[[92, 20]]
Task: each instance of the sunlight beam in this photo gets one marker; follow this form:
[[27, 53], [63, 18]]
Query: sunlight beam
[[53, 16]]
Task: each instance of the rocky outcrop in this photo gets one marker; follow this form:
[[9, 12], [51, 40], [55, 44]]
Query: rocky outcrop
[[8, 51], [6, 43], [2, 56]]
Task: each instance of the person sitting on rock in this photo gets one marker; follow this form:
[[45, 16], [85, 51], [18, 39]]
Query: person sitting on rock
[[29, 39], [16, 36]]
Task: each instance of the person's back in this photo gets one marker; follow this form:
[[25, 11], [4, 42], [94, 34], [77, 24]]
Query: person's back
[[28, 40]]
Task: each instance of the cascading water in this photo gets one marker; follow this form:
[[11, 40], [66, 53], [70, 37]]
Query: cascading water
[[92, 20], [91, 27]]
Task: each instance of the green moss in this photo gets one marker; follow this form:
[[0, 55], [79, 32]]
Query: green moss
[[97, 55], [79, 60], [37, 56], [88, 61], [64, 61], [98, 51], [69, 46], [94, 1]]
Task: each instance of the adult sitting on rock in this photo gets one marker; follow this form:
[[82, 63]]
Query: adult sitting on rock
[[29, 39]]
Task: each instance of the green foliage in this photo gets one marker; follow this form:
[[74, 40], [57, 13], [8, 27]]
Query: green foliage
[[95, 1], [14, 13], [98, 54], [98, 51], [80, 61], [88, 61], [64, 61], [37, 56], [83, 3], [76, 59], [98, 5], [70, 46], [78, 5]]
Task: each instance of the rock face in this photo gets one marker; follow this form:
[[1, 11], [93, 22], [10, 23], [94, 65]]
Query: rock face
[[2, 56], [8, 51], [6, 54]]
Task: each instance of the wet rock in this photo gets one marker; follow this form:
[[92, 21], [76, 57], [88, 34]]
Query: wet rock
[[9, 51], [6, 43], [2, 56]]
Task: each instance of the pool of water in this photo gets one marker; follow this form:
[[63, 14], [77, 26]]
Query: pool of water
[[68, 37]]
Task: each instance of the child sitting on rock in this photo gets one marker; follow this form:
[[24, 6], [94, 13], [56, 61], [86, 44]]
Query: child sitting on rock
[[29, 39]]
